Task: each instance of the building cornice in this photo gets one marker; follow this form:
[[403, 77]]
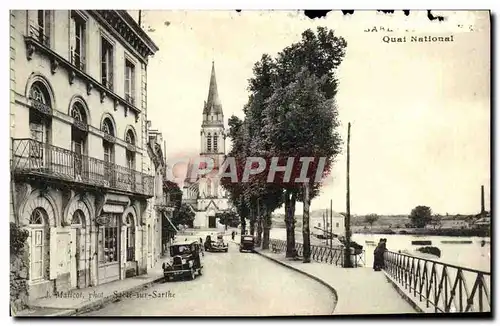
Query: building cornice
[[124, 28]]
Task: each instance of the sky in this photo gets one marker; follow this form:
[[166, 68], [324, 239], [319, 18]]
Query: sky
[[420, 112]]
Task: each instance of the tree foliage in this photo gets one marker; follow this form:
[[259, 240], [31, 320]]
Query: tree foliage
[[18, 238], [290, 113], [371, 218], [228, 218], [183, 216], [420, 216]]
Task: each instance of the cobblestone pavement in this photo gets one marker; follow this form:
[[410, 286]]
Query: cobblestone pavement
[[232, 284]]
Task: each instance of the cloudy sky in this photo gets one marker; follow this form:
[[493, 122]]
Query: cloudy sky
[[420, 112]]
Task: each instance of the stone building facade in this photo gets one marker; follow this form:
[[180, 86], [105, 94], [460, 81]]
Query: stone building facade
[[205, 195], [157, 206], [80, 184]]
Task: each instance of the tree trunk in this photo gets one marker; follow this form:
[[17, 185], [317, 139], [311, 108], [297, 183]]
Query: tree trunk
[[252, 221], [267, 228], [306, 235], [243, 220], [290, 223], [259, 231]]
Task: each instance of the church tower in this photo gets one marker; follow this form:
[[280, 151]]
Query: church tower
[[212, 135], [206, 196]]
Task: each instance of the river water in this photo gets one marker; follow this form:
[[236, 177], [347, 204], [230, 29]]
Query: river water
[[464, 255]]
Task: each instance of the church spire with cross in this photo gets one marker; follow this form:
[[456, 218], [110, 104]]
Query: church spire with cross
[[212, 110]]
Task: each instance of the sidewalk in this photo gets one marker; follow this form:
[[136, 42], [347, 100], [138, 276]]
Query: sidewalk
[[81, 300], [359, 290]]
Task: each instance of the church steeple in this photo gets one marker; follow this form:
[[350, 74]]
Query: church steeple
[[213, 106]]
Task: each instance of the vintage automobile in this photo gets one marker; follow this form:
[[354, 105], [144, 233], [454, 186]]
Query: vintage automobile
[[247, 243], [216, 246], [185, 261]]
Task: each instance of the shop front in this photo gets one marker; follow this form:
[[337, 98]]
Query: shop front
[[108, 247]]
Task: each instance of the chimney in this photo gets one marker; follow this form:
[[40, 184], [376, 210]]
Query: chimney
[[482, 200]]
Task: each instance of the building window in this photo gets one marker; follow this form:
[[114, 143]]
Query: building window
[[77, 218], [38, 245], [77, 29], [209, 188], [109, 241], [106, 64], [130, 238], [42, 30], [215, 143], [39, 122], [209, 143], [129, 82], [319, 225], [337, 225]]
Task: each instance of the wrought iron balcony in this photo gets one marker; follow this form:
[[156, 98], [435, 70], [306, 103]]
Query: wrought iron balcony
[[129, 99], [38, 33], [34, 158], [77, 60]]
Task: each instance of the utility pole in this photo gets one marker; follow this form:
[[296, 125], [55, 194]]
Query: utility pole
[[482, 202], [347, 221], [331, 223], [327, 227], [324, 225]]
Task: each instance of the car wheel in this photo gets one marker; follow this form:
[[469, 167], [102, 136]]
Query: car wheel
[[200, 272], [226, 250]]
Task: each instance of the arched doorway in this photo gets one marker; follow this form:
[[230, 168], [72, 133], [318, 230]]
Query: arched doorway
[[79, 258], [39, 245], [212, 220], [130, 238]]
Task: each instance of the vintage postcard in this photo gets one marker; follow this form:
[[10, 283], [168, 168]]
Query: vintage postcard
[[249, 163]]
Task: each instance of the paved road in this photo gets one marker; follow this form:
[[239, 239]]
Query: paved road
[[232, 284]]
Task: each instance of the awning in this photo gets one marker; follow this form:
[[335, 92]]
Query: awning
[[170, 222]]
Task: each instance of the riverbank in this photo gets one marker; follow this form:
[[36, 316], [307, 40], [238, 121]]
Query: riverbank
[[429, 232]]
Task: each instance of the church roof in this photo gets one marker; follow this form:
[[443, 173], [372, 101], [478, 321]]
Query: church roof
[[213, 104]]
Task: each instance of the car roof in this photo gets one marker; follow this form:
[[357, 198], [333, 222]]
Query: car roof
[[184, 243]]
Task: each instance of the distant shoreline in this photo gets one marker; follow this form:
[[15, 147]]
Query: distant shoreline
[[436, 232]]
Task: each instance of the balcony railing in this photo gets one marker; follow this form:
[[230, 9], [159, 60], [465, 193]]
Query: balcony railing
[[36, 158], [38, 33], [77, 60], [129, 99], [443, 287]]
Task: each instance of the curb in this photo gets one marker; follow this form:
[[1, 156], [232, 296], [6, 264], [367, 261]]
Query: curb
[[98, 304], [403, 293], [317, 279]]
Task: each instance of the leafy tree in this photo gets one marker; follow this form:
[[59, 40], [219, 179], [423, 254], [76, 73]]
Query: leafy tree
[[302, 116], [228, 218], [436, 221], [420, 216], [290, 113], [238, 135], [371, 218], [183, 216]]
